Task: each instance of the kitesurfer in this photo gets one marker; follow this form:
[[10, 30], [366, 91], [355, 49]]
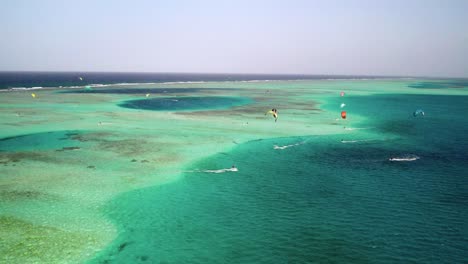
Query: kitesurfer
[[418, 112], [274, 112]]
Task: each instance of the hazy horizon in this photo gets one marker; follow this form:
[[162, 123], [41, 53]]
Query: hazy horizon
[[366, 38], [228, 73]]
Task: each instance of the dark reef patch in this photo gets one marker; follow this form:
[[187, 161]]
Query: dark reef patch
[[22, 195], [185, 103], [40, 141]]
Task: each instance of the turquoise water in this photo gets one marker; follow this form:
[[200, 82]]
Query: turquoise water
[[316, 199], [452, 83], [185, 103]]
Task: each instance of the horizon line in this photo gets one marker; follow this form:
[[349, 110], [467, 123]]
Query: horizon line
[[219, 73]]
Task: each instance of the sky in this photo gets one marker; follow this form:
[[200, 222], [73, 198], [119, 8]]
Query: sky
[[395, 38]]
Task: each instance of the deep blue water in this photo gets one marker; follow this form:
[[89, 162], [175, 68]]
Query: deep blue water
[[66, 79], [144, 91], [318, 200]]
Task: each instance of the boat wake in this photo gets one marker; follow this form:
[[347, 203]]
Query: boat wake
[[104, 123], [357, 141], [288, 146], [409, 157], [234, 169], [357, 128]]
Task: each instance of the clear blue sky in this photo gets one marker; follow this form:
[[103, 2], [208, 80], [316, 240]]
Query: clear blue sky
[[423, 38]]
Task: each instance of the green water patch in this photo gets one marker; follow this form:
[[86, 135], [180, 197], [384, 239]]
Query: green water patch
[[457, 84], [24, 242], [185, 103], [314, 198]]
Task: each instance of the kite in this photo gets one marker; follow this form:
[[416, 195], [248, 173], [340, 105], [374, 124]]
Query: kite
[[343, 114], [274, 112], [418, 112]]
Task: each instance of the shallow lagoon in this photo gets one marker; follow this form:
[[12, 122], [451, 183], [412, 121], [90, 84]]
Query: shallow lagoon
[[101, 189]]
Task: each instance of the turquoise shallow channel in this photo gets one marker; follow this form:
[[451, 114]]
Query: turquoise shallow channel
[[315, 199]]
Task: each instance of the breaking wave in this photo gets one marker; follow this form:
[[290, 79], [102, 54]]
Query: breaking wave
[[95, 85], [22, 89]]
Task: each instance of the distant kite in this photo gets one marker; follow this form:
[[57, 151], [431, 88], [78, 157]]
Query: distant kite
[[342, 105], [343, 114], [81, 78], [33, 95], [147, 95]]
